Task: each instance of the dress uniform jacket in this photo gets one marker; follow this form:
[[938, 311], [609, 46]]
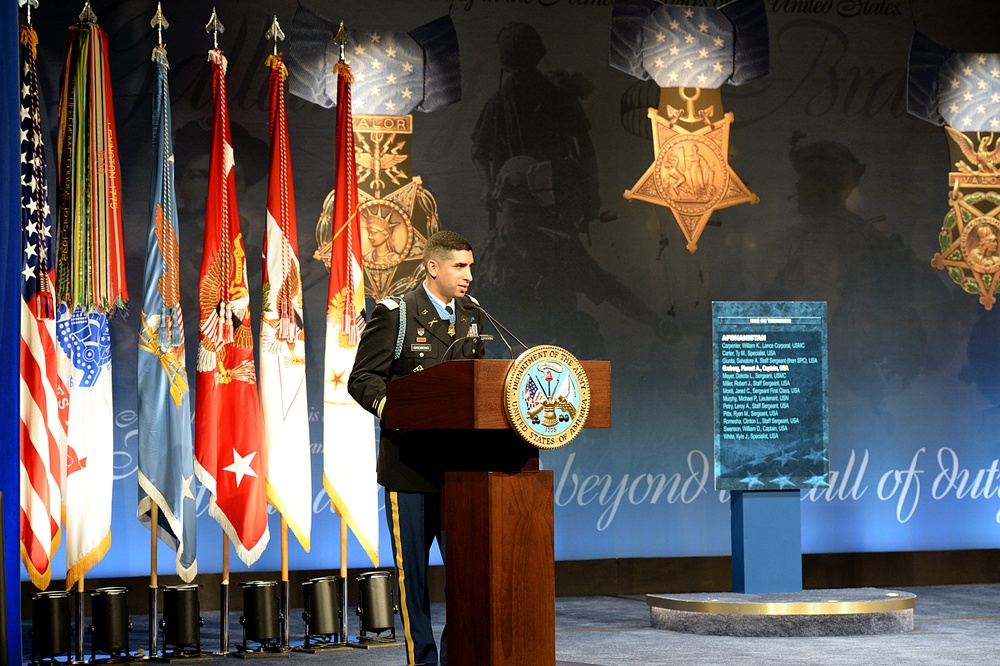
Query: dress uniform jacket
[[411, 461]]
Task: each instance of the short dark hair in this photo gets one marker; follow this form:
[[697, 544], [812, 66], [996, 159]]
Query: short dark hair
[[441, 245]]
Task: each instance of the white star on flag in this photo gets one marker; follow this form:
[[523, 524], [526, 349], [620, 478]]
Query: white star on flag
[[187, 493], [241, 466]]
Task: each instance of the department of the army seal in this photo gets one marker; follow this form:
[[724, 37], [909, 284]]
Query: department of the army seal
[[547, 396]]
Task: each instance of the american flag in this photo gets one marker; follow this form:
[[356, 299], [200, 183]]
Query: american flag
[[969, 91], [44, 400], [532, 394]]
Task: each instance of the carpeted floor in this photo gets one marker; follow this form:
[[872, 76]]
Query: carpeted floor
[[952, 625]]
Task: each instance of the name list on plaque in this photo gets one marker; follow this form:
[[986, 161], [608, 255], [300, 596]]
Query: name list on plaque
[[770, 396]]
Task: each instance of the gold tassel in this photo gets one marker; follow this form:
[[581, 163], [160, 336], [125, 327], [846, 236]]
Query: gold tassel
[[341, 69], [29, 38], [274, 61]]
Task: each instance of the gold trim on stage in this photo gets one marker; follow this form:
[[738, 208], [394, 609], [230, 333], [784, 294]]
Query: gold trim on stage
[[892, 601]]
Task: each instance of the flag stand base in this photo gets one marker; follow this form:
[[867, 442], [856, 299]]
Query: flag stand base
[[261, 654], [369, 643], [321, 648], [177, 658]]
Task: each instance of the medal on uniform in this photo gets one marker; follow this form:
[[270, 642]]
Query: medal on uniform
[[451, 329]]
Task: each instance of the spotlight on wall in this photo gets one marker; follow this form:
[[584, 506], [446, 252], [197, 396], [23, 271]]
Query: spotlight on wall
[[50, 627], [110, 628], [376, 607]]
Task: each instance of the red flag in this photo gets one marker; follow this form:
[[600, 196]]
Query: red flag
[[230, 461], [44, 397]]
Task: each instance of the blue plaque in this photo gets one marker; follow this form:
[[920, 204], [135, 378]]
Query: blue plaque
[[771, 418]]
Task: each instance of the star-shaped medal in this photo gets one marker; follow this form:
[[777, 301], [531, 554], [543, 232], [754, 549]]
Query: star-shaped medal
[[690, 174]]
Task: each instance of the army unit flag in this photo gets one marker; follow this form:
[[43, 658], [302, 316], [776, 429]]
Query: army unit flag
[[229, 458], [44, 398], [282, 338], [91, 287], [166, 445], [348, 430]]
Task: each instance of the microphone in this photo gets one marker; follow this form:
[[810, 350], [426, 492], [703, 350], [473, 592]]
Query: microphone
[[501, 329]]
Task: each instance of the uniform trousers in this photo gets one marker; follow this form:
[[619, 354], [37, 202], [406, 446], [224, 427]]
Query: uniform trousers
[[414, 522]]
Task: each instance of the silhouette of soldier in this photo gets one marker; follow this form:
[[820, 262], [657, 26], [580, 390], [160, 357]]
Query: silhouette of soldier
[[540, 117], [882, 303], [532, 146]]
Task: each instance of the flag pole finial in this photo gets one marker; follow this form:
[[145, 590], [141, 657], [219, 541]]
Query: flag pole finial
[[341, 39], [160, 23], [30, 4], [274, 33], [87, 15], [215, 26]]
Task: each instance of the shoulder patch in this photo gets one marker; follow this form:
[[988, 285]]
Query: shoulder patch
[[390, 303]]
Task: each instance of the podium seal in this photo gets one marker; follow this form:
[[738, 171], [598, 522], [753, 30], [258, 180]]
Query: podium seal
[[547, 396]]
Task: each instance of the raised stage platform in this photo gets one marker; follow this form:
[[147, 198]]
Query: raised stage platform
[[839, 612]]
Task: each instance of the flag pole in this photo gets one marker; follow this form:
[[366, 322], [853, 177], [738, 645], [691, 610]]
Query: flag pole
[[224, 596], [153, 518], [341, 40], [343, 579], [79, 620], [154, 512], [284, 584]]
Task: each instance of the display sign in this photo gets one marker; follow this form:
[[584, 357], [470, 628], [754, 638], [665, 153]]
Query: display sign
[[771, 425]]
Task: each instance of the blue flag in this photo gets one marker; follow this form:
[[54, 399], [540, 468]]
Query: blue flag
[[166, 443]]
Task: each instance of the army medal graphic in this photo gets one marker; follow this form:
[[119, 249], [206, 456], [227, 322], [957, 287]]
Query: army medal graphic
[[547, 396], [690, 53], [397, 213], [969, 234], [690, 173]]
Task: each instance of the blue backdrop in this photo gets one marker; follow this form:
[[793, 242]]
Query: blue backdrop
[[852, 194]]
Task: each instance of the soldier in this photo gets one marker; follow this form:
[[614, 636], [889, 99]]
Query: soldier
[[436, 321]]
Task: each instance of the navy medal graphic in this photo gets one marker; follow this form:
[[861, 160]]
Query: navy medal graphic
[[547, 396]]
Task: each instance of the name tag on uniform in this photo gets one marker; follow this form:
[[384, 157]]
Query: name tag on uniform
[[420, 348]]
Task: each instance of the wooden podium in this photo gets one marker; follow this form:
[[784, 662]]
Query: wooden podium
[[497, 511]]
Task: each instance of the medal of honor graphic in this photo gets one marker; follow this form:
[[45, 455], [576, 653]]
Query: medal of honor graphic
[[395, 221], [690, 53], [690, 173], [960, 92], [395, 74], [969, 235]]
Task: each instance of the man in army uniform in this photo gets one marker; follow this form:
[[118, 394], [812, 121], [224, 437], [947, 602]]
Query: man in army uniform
[[435, 322]]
